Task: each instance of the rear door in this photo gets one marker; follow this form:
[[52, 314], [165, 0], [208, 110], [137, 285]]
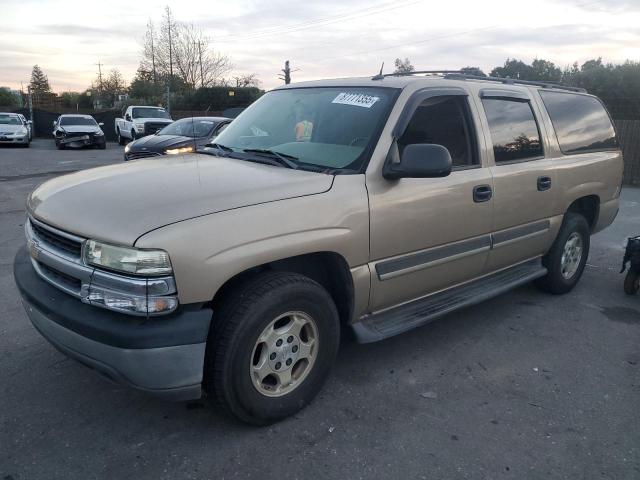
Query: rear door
[[524, 178]]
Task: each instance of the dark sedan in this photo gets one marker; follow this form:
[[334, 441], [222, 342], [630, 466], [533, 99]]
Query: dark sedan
[[182, 136], [78, 131]]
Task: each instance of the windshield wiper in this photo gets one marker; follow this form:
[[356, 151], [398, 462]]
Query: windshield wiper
[[219, 147], [282, 158]]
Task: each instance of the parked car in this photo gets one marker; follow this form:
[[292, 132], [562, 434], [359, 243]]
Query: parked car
[[14, 129], [28, 125], [182, 136], [78, 131], [368, 204], [140, 121]]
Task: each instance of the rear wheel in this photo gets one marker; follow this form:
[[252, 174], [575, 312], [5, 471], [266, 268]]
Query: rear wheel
[[566, 259], [632, 283], [272, 347]]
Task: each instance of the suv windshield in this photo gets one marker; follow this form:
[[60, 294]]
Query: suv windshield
[[10, 120], [189, 127], [78, 121], [148, 112], [327, 127]]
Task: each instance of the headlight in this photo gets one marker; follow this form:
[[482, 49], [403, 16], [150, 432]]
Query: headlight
[[139, 126], [127, 148], [174, 151], [99, 133], [126, 259]]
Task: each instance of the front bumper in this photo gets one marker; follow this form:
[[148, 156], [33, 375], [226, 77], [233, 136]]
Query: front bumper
[[163, 356], [14, 140], [81, 140]]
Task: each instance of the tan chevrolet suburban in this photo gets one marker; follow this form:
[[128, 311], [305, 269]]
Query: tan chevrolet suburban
[[370, 205]]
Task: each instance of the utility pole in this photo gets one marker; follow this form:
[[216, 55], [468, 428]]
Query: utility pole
[[200, 57], [287, 73], [168, 98], [170, 45], [99, 74], [33, 123]]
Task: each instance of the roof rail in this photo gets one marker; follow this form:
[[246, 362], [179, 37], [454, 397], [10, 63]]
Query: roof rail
[[513, 81], [380, 76]]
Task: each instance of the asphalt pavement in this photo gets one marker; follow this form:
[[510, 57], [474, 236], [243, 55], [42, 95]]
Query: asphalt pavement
[[524, 386]]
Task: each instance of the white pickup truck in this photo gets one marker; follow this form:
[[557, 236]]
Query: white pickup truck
[[140, 121]]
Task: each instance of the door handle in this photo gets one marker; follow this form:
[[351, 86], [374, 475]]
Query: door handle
[[544, 183], [482, 193]]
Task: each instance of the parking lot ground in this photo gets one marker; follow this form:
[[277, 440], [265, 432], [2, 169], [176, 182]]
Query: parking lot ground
[[524, 386]]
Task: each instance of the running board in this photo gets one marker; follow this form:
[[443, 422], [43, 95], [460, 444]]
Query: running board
[[388, 323]]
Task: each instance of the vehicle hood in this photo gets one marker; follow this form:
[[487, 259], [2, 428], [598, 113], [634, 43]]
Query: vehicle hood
[[119, 203], [80, 128], [11, 128], [158, 143]]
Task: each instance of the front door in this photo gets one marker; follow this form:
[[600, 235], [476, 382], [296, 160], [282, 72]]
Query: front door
[[428, 234]]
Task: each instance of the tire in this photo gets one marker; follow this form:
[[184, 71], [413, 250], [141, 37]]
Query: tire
[[562, 277], [102, 146], [133, 135], [60, 146], [632, 283], [233, 347], [120, 139]]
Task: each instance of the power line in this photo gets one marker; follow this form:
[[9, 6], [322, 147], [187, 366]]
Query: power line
[[399, 45], [320, 22]]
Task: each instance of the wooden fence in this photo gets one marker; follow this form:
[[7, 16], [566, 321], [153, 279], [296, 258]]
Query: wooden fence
[[629, 137]]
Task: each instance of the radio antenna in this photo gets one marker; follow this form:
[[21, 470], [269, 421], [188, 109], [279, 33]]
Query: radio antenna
[[379, 76]]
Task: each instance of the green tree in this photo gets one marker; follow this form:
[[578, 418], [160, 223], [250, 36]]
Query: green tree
[[513, 68], [403, 66], [7, 99], [543, 70], [473, 71], [39, 82]]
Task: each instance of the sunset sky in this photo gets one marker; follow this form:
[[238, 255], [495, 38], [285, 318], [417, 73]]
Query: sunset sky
[[322, 39]]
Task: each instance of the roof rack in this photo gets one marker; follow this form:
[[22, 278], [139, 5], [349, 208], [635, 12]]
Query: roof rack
[[459, 75], [513, 81]]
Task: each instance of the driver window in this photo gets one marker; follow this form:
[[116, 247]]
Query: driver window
[[443, 121]]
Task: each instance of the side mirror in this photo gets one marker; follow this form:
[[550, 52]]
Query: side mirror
[[420, 160], [30, 122], [127, 117], [101, 124]]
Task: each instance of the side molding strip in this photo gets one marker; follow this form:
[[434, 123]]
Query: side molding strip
[[435, 256]]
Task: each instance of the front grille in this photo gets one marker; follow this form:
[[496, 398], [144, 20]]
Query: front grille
[[56, 240], [150, 127], [57, 277], [137, 155]]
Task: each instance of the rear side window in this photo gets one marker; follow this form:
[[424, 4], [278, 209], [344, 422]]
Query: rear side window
[[514, 130], [581, 122]]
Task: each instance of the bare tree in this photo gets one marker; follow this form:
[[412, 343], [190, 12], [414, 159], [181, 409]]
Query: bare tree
[[196, 62], [248, 80], [182, 53], [111, 86], [149, 42]]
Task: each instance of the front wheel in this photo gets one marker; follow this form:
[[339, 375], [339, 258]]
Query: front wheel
[[120, 138], [566, 259], [273, 344], [632, 283]]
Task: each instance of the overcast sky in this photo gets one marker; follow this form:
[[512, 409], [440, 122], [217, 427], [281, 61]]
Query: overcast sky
[[323, 39]]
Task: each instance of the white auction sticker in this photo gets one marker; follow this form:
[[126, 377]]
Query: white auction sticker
[[356, 99]]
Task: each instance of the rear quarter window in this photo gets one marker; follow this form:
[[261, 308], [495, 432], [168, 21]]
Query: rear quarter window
[[581, 122]]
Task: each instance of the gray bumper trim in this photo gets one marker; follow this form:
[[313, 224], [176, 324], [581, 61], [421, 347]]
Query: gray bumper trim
[[174, 373]]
